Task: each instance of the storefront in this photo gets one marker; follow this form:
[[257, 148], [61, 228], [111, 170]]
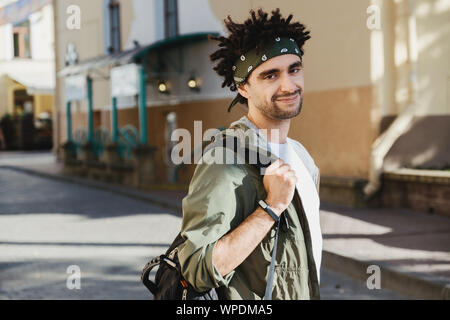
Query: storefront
[[153, 90]]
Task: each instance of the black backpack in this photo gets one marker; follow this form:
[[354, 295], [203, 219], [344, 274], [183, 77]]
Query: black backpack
[[169, 282]]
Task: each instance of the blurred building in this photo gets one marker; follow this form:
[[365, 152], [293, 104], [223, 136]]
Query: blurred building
[[27, 69], [27, 74], [377, 95], [161, 46]]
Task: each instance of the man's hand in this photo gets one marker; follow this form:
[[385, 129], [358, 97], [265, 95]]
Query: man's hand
[[279, 182], [233, 248]]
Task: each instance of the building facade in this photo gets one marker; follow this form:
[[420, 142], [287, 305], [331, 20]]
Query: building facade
[[27, 71], [377, 82]]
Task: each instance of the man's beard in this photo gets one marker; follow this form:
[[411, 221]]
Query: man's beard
[[273, 111]]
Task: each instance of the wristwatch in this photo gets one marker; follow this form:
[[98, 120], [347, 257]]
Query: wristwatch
[[269, 210]]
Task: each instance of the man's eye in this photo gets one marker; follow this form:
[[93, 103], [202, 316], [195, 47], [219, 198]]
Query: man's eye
[[270, 76], [295, 70]]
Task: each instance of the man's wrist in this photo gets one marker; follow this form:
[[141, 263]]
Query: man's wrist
[[268, 210], [276, 208]]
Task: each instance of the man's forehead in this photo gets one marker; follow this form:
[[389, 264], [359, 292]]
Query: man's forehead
[[279, 62]]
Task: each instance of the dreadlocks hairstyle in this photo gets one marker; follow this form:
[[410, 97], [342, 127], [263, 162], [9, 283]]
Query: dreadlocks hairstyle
[[253, 33]]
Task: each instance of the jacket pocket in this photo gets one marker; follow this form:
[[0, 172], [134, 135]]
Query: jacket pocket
[[291, 283]]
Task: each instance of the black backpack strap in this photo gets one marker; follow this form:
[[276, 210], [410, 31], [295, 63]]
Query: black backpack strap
[[168, 258], [257, 157], [145, 276], [178, 240]]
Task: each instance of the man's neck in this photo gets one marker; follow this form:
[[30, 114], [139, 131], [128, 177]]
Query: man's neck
[[276, 131]]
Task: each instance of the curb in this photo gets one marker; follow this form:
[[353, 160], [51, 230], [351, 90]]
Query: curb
[[396, 281], [391, 279]]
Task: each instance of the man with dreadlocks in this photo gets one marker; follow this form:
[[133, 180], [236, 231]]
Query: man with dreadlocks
[[230, 212]]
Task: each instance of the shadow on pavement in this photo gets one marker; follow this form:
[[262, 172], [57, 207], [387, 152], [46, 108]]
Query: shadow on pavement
[[21, 193]]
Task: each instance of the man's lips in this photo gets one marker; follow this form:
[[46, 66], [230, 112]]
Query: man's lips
[[288, 99]]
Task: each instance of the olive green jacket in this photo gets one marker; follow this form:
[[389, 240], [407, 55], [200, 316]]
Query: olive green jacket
[[220, 197]]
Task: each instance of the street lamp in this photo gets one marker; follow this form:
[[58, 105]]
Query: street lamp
[[163, 87], [194, 84]]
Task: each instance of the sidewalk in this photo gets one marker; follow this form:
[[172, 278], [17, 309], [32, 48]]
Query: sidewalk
[[412, 249]]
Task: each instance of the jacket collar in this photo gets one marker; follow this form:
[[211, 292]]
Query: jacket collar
[[256, 139]]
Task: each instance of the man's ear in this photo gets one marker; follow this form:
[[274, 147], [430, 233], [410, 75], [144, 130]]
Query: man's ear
[[242, 89]]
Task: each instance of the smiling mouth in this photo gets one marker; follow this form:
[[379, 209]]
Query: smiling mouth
[[289, 99]]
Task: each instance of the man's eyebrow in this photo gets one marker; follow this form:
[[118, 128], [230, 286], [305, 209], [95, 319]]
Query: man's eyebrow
[[267, 72], [270, 71]]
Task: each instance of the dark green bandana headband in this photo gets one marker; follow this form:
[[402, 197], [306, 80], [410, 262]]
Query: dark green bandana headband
[[251, 60]]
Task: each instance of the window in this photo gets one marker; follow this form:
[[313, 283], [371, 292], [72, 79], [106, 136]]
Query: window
[[114, 26], [23, 103], [21, 38], [171, 18]]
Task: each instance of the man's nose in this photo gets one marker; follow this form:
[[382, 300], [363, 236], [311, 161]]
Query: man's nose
[[287, 84]]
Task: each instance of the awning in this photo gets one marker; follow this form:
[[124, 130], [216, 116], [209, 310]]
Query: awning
[[118, 58], [36, 83], [134, 55]]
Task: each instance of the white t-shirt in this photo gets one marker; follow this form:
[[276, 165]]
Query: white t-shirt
[[307, 192]]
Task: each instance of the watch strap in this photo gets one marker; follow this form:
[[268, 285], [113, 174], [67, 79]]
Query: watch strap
[[269, 210]]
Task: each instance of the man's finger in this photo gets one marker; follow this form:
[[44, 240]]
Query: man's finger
[[275, 165]]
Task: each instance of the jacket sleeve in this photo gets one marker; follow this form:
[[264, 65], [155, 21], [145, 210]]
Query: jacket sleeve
[[210, 210]]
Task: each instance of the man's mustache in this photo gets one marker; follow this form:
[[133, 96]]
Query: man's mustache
[[288, 95]]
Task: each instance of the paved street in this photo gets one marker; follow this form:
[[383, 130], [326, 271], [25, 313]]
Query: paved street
[[48, 225]]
